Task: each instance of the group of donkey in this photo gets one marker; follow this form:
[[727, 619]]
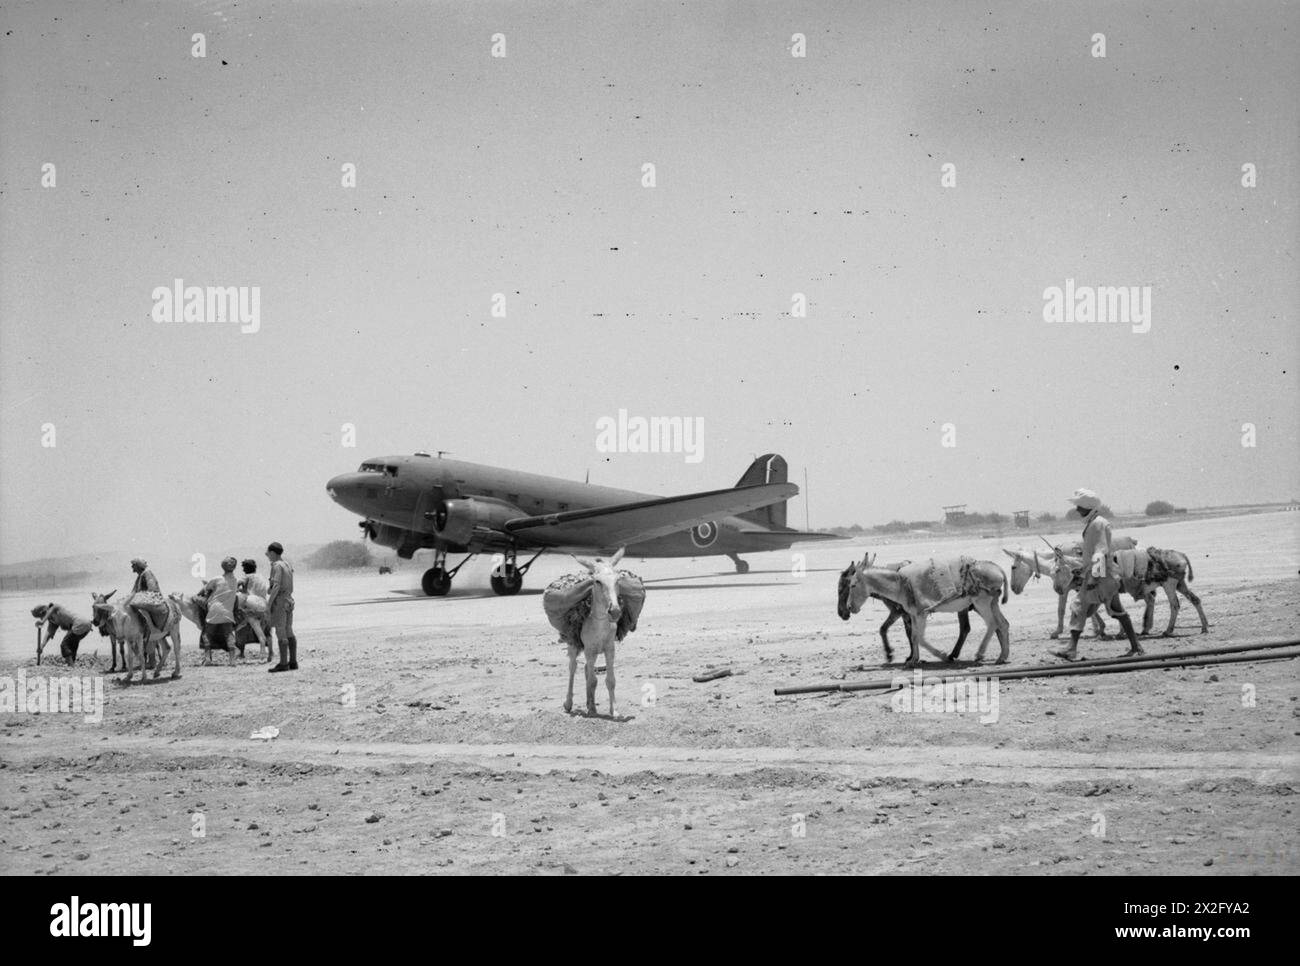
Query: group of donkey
[[145, 627], [981, 585]]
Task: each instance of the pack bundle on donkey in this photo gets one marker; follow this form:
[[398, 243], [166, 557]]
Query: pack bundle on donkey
[[133, 625], [592, 612], [252, 623], [895, 610], [940, 584], [1143, 571]]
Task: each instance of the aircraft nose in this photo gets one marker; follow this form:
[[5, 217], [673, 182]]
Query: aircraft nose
[[342, 488]]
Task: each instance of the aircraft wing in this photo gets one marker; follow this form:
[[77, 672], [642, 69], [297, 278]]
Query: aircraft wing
[[791, 536], [619, 524]]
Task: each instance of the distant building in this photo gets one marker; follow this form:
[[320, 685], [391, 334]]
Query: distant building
[[955, 515], [1022, 519]]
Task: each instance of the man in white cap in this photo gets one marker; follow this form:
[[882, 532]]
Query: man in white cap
[[1100, 583]]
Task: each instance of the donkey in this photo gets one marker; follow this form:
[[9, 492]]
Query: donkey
[[895, 611], [194, 610], [979, 585], [606, 623], [1170, 569], [1027, 564], [124, 628], [1030, 563]]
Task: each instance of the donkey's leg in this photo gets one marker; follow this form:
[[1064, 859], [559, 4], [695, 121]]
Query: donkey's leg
[[1003, 631], [589, 669], [918, 638], [894, 613], [1099, 626], [1196, 602], [163, 647], [1060, 615], [135, 650], [263, 648], [176, 649], [609, 675], [982, 608], [573, 669], [963, 628], [1174, 606], [1148, 610]]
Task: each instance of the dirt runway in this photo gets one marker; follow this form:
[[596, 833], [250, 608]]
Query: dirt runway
[[427, 736]]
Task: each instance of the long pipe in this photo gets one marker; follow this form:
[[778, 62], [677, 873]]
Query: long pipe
[[1037, 670], [1070, 671]]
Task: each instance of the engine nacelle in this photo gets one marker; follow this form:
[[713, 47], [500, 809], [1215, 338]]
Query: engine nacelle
[[454, 521], [403, 541]]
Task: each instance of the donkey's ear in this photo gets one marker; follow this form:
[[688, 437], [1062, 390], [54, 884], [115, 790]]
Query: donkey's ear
[[110, 593], [586, 564], [1011, 553], [618, 555]]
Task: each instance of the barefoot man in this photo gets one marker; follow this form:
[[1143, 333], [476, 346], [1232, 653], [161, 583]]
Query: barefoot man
[[1100, 584]]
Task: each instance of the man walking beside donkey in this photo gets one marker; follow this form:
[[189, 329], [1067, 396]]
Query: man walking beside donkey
[[1099, 582]]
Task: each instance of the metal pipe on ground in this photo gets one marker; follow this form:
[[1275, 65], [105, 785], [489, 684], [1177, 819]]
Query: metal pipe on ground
[[1095, 665]]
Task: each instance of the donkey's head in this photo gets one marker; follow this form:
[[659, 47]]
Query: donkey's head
[[1026, 564], [604, 589], [853, 590], [1063, 568], [842, 591], [100, 609]]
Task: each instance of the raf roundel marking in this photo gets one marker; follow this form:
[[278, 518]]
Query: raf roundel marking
[[705, 535]]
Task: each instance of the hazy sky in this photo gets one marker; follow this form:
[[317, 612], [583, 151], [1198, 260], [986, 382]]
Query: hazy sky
[[523, 175]]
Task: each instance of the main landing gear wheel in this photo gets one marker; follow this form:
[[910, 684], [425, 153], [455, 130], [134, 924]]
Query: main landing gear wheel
[[436, 582], [508, 582]]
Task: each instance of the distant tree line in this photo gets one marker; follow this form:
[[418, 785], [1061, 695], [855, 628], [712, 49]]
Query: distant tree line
[[340, 555]]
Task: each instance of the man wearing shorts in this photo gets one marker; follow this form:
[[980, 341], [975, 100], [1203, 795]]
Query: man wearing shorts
[[280, 607], [1100, 580]]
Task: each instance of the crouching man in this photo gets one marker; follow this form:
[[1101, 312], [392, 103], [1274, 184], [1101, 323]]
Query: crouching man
[[56, 617]]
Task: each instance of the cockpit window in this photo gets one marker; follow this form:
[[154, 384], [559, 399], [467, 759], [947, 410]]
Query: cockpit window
[[371, 468], [392, 470]]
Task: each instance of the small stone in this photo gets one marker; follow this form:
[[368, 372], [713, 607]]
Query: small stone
[[372, 818]]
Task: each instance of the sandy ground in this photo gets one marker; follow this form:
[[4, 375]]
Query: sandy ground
[[426, 735]]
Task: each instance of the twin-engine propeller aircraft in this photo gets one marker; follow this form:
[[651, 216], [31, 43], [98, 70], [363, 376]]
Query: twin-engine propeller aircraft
[[422, 502]]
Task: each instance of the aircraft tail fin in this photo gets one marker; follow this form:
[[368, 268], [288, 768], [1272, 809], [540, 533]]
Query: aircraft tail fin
[[768, 468]]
